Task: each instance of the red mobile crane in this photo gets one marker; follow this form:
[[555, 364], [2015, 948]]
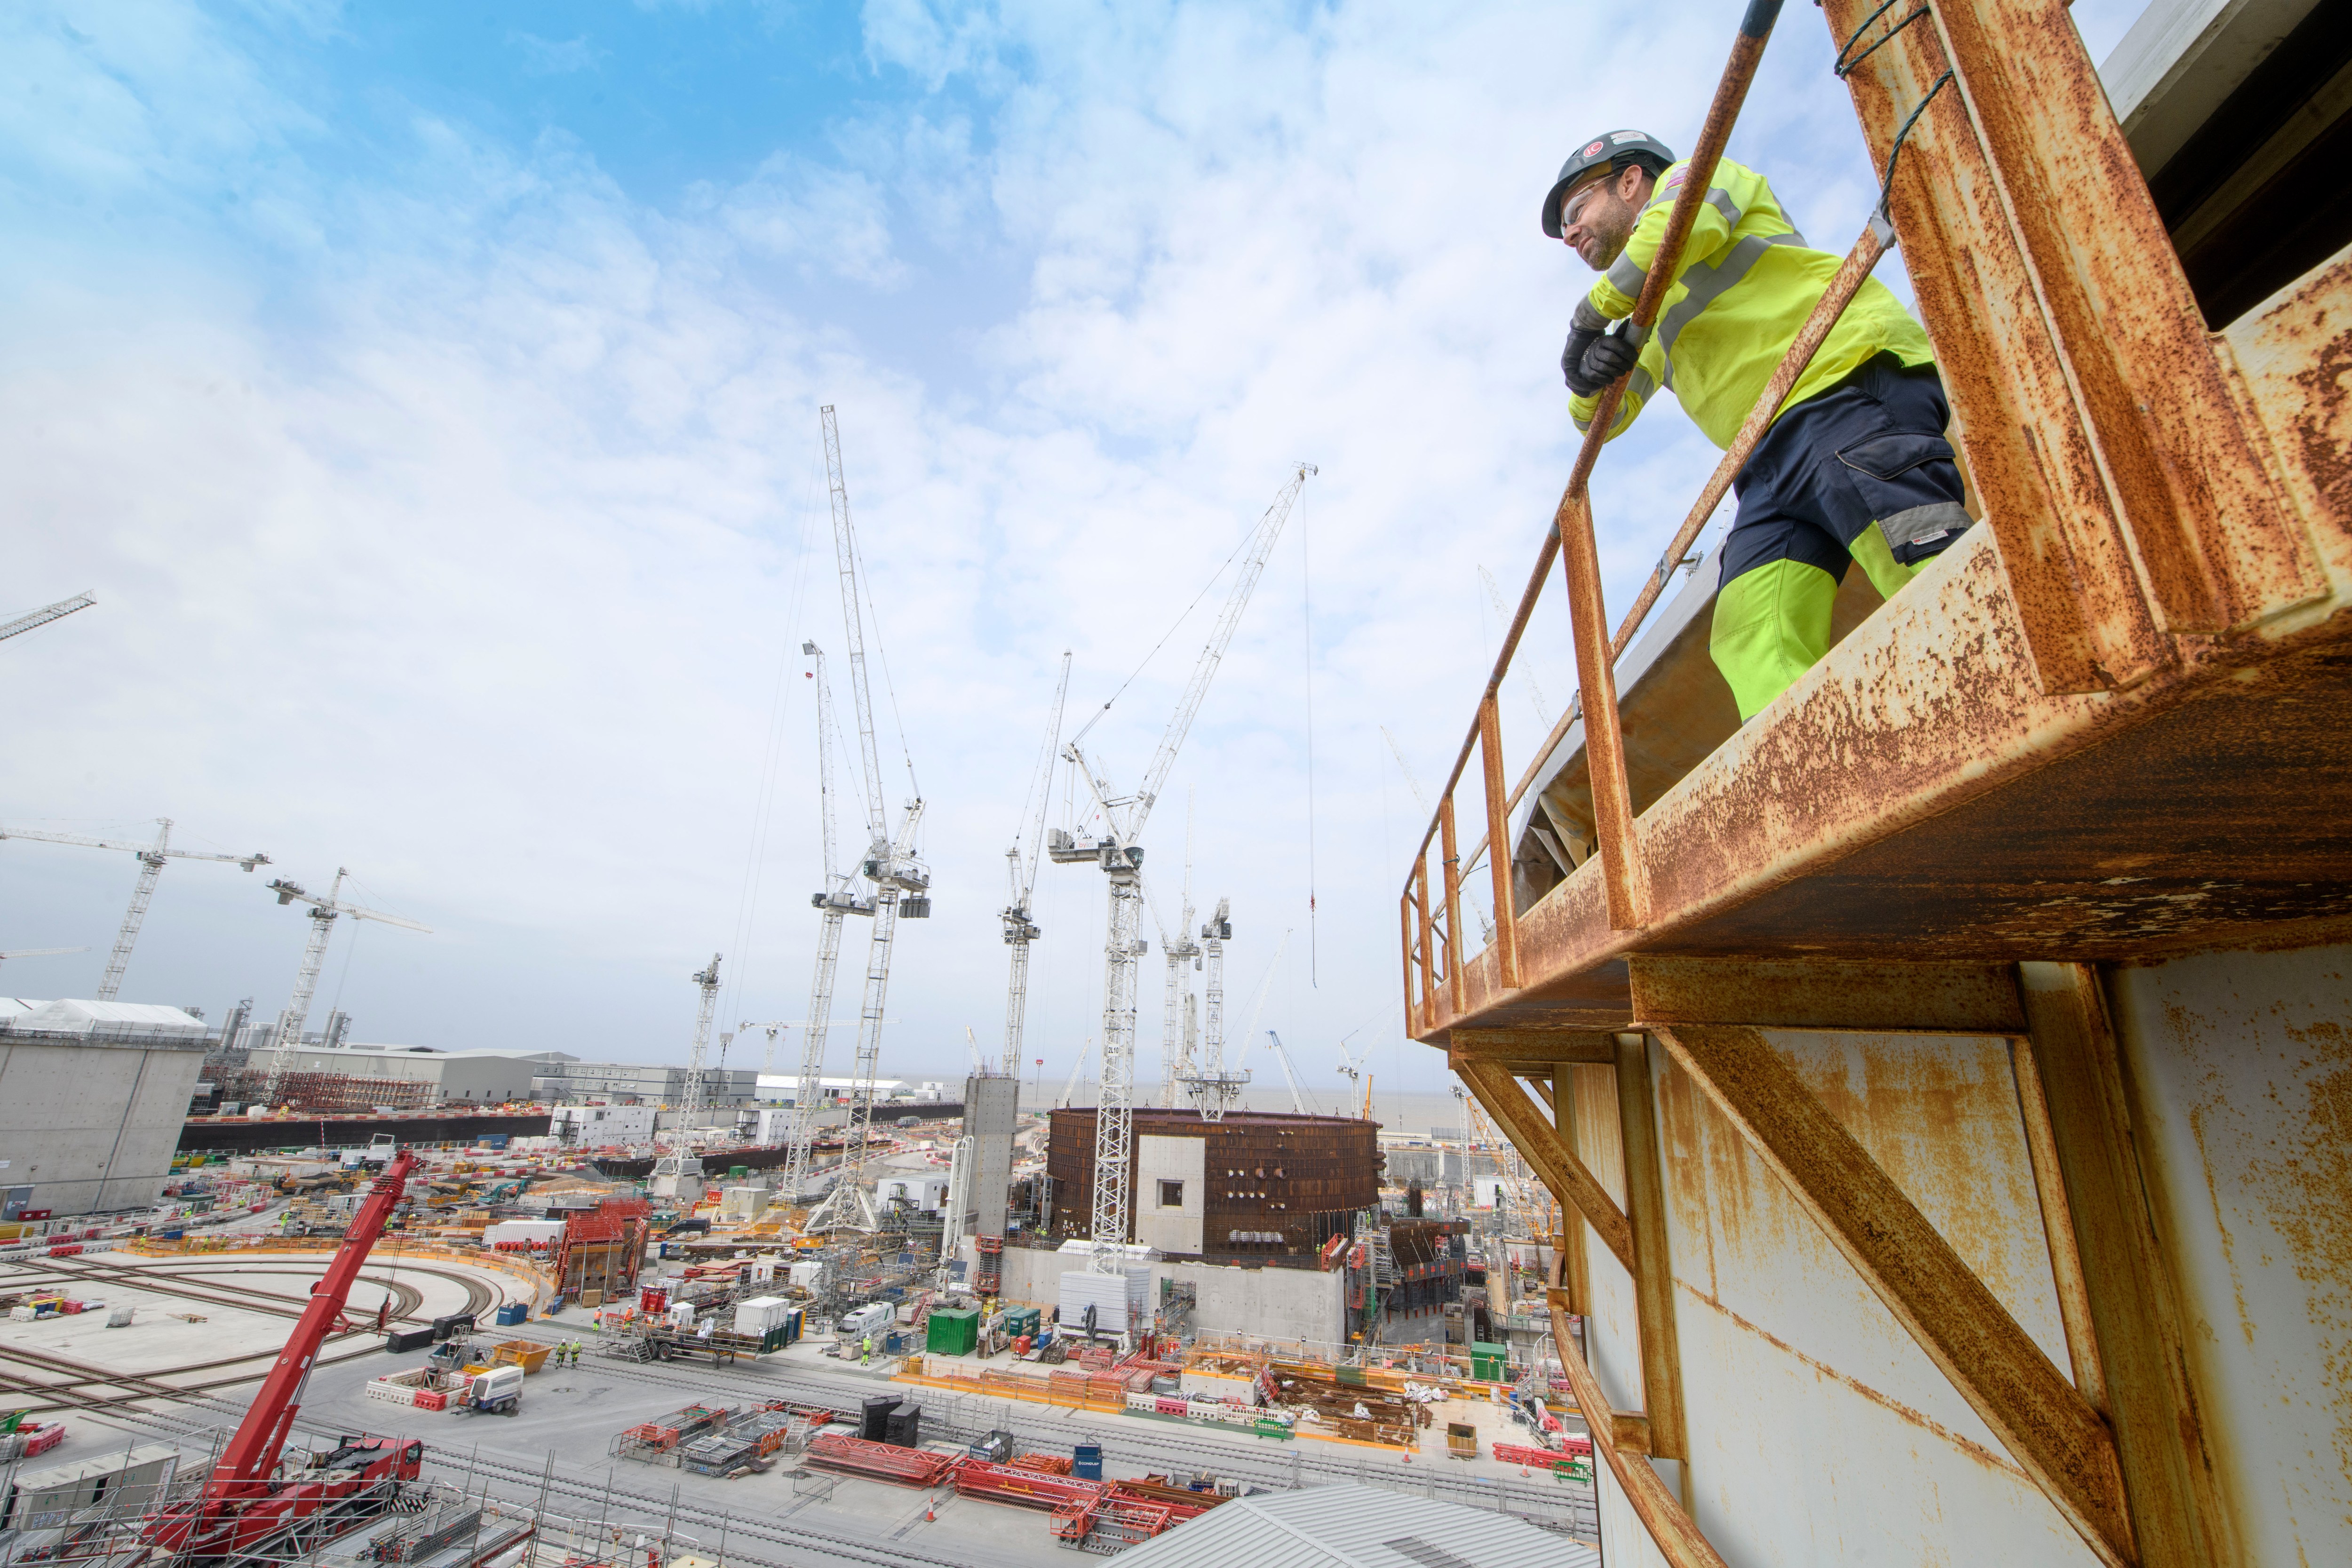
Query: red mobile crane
[[246, 1504]]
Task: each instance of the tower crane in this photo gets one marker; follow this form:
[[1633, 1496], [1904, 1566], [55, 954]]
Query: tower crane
[[706, 980], [901, 880], [1535, 688], [1176, 1063], [837, 899], [17, 625], [1020, 930], [1120, 856], [1212, 1089], [1298, 1102], [324, 912], [150, 866]]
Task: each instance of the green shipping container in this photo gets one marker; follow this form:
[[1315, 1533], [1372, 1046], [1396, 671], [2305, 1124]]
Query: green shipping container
[[1019, 1320], [1489, 1362], [954, 1331]]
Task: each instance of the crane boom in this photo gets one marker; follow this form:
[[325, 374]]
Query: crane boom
[[852, 618], [19, 624], [836, 901], [1298, 1102], [1220, 636], [1121, 859], [142, 893], [252, 1453]]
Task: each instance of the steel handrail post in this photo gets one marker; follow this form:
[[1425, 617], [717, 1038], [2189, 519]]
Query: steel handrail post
[[1428, 980], [1506, 917], [1456, 993]]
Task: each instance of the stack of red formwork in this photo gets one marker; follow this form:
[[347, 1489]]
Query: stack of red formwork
[[1017, 1483], [880, 1461], [1043, 1464]]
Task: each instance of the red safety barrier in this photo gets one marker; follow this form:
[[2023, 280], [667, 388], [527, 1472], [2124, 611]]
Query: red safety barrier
[[880, 1461]]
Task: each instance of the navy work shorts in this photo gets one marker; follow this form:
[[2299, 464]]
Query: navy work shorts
[[1870, 449]]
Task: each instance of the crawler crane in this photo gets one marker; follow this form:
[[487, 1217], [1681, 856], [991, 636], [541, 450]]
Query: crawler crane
[[249, 1513]]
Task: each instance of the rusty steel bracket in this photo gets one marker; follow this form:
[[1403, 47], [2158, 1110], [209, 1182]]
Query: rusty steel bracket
[[2041, 1418], [1570, 1183], [1536, 1048], [1875, 996], [1653, 1275], [1678, 1540]]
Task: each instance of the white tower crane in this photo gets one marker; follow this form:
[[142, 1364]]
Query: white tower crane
[[706, 980], [1176, 1063], [150, 866], [1020, 930], [1421, 797], [17, 625], [324, 912], [1535, 688], [1298, 1102], [901, 881], [1212, 1089], [1120, 856], [835, 900]]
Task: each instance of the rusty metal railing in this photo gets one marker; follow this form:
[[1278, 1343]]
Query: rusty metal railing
[[1430, 921]]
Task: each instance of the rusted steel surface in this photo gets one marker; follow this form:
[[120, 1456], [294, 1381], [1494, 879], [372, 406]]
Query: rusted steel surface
[[2217, 548], [2236, 1069], [1828, 993], [2058, 1226], [1653, 1269], [2295, 358], [2044, 1422], [2167, 1465], [1454, 946], [1596, 678], [1563, 1172], [1490, 757], [1678, 1540]]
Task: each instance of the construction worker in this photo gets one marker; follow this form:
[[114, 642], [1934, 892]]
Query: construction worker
[[865, 1350], [1855, 466]]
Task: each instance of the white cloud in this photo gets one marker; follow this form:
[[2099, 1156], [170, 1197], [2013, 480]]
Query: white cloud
[[467, 555], [550, 56]]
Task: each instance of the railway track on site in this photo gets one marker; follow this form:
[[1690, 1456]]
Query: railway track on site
[[200, 1287]]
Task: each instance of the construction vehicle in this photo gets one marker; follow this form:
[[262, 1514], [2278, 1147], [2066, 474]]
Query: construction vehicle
[[498, 1392], [249, 1509]]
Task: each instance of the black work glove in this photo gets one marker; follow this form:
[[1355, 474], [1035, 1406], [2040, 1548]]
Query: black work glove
[[1585, 330], [1610, 358]]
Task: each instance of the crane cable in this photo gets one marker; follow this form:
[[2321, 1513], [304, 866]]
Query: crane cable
[[1306, 625]]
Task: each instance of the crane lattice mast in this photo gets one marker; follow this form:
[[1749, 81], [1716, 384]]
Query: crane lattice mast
[[1176, 1065], [1212, 1089], [150, 866], [1020, 929], [706, 980], [1120, 856], [837, 899], [901, 881], [323, 913]]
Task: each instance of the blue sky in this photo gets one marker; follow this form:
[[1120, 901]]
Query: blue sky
[[429, 394]]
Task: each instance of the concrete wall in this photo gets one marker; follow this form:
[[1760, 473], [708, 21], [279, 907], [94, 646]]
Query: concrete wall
[[1279, 1303], [1165, 1167], [992, 1116], [92, 1126]]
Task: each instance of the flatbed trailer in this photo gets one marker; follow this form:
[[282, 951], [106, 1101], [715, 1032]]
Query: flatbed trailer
[[1943, 1074]]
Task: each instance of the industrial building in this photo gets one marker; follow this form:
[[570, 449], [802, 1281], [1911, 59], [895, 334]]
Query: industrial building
[[93, 1098], [1252, 1184], [415, 1075], [565, 1078], [594, 1126]]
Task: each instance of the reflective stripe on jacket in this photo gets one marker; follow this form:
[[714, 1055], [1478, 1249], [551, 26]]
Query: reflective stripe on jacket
[[1747, 283]]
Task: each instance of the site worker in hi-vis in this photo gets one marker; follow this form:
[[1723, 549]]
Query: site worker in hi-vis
[[1855, 466]]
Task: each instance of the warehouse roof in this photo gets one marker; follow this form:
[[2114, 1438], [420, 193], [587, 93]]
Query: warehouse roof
[[1358, 1527], [80, 1018]]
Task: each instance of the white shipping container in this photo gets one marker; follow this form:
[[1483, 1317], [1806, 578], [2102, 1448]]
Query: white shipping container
[[1216, 1385], [760, 1313], [547, 1230]]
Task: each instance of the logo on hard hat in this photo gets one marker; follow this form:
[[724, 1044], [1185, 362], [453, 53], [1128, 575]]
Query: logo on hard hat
[[1622, 137], [1589, 152]]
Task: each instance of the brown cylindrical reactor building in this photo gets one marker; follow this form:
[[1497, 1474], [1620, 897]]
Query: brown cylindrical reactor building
[[1252, 1185]]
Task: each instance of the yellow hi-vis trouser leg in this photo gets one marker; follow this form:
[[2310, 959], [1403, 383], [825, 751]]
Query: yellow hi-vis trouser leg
[[1771, 625]]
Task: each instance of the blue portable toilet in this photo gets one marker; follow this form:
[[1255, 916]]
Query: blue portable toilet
[[1086, 1461]]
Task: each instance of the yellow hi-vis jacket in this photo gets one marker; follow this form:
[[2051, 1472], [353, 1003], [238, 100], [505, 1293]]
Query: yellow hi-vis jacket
[[1747, 283]]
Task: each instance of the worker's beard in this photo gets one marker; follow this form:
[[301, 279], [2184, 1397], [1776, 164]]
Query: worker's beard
[[1613, 228]]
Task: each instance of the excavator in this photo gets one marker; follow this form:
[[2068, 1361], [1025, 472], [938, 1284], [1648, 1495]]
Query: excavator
[[250, 1509]]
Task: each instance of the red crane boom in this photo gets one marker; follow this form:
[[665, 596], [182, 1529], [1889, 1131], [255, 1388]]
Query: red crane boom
[[247, 1502]]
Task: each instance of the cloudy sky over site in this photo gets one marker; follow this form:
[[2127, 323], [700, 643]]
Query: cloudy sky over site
[[429, 394]]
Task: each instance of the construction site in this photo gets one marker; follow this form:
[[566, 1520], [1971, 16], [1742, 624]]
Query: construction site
[[1900, 1119]]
